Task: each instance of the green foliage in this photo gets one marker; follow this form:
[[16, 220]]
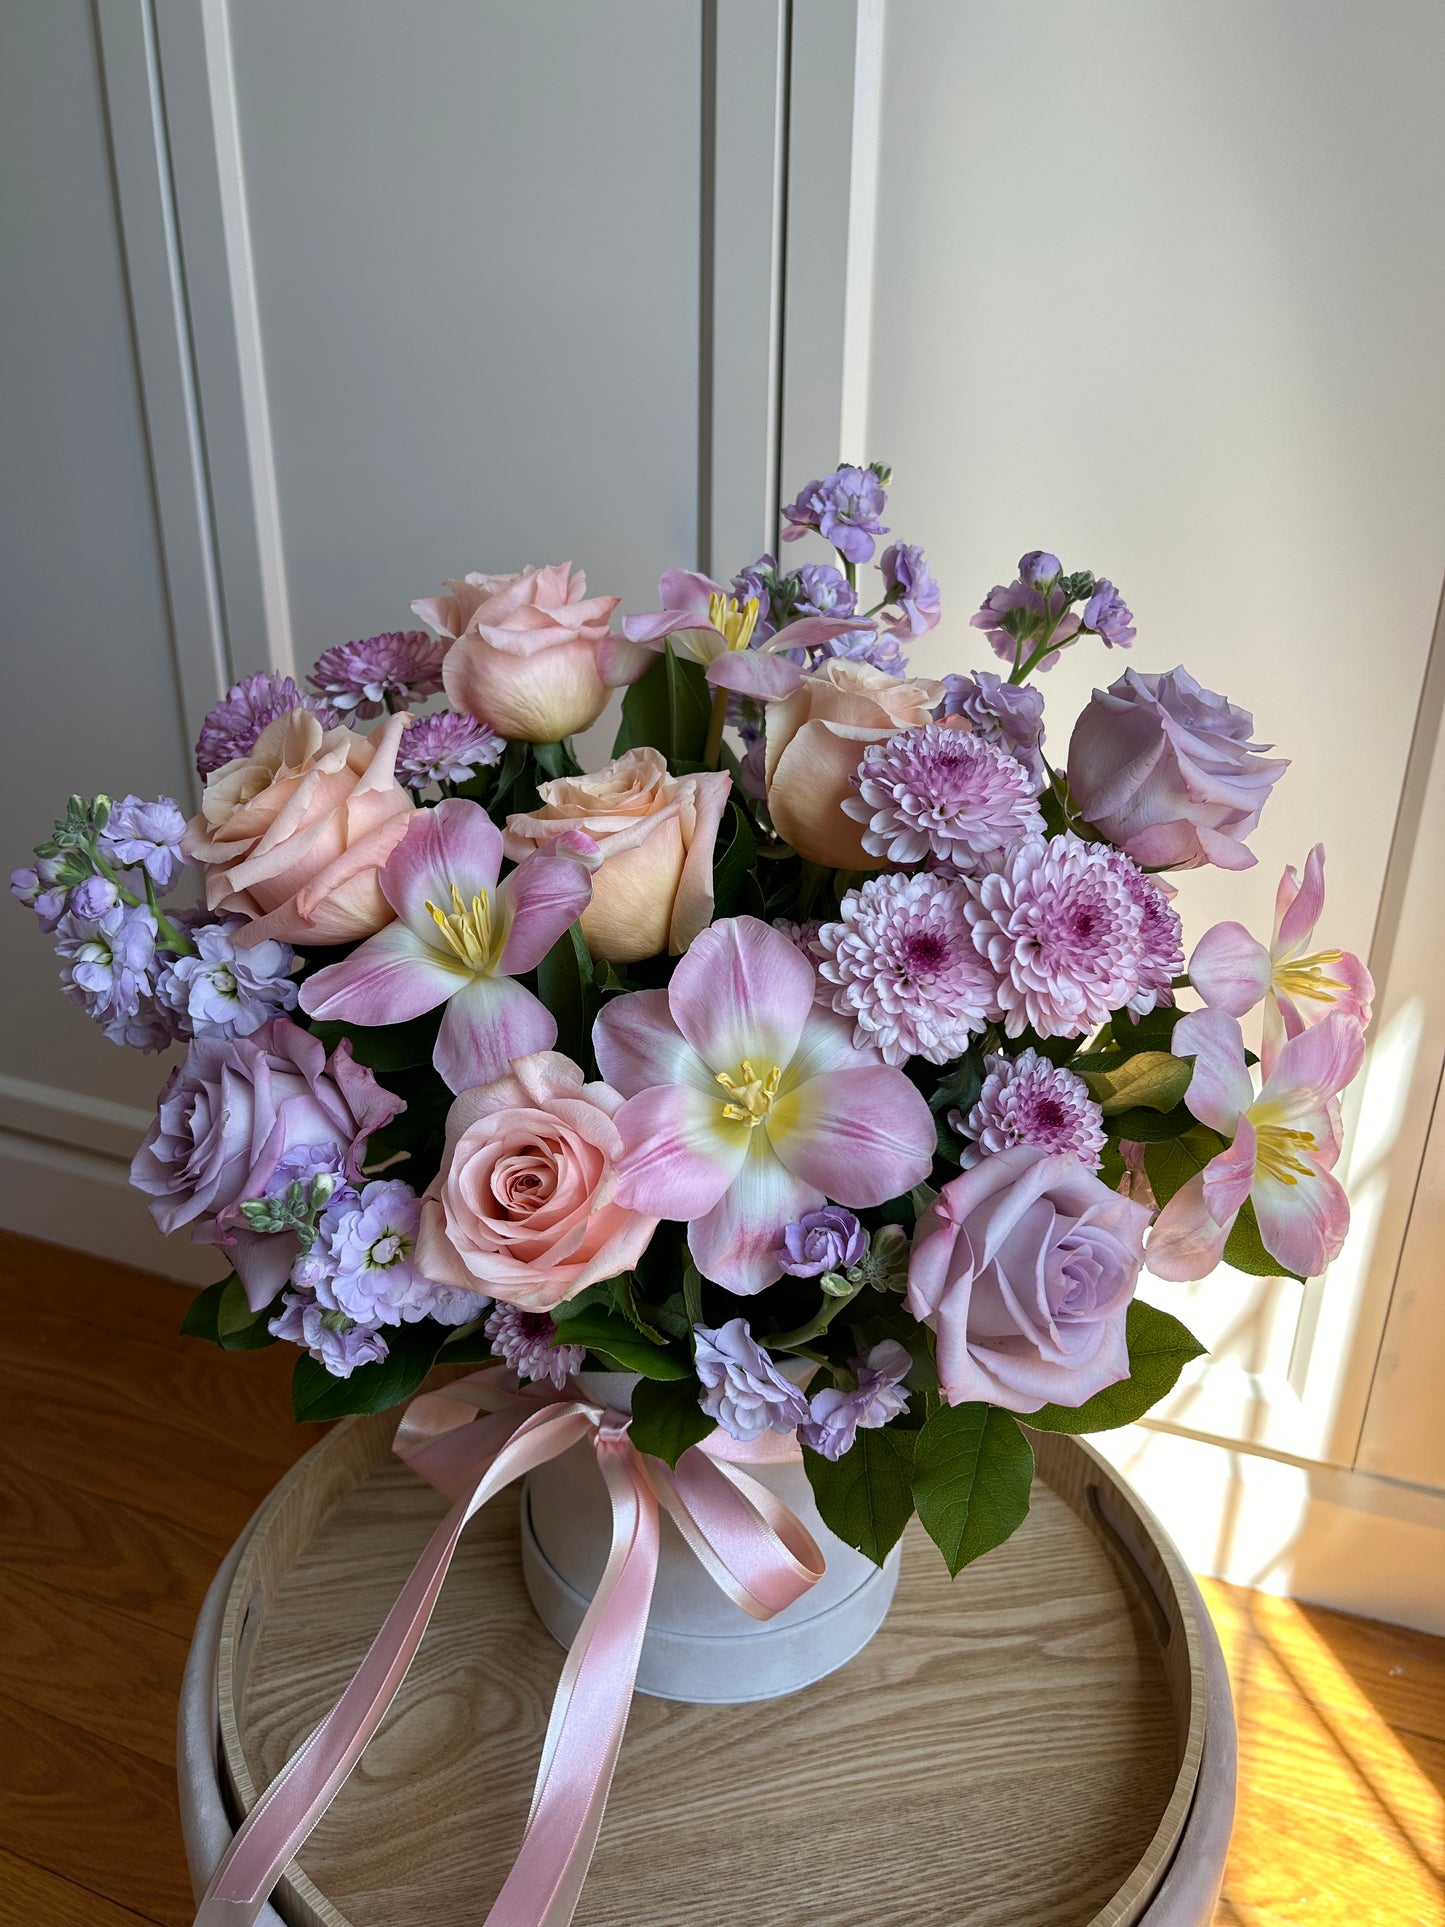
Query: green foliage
[[1152, 1127], [1159, 1349], [315, 1394], [386, 1047], [734, 861], [564, 984], [972, 1471], [1245, 1248], [1153, 1031], [1153, 1080], [1175, 1161], [668, 709], [866, 1496], [666, 1417], [624, 1297], [221, 1315], [608, 1334], [555, 759]]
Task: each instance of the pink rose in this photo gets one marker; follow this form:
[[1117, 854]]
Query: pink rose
[[1024, 1268], [292, 836], [523, 1207], [815, 741], [656, 833], [524, 658]]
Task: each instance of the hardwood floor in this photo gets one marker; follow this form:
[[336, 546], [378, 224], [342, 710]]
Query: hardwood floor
[[130, 1458]]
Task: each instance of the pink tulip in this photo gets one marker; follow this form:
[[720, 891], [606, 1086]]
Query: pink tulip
[[462, 939], [1285, 1144], [748, 1105], [1233, 971]]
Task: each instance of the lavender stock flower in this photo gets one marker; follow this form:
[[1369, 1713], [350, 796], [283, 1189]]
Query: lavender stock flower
[[822, 590], [146, 835], [366, 1243], [835, 1417], [226, 989], [941, 792], [331, 1337], [844, 508], [1017, 617], [829, 1239], [912, 590], [1108, 616], [742, 1388], [91, 899], [882, 650], [1028, 1100], [382, 672], [1009, 714], [525, 1341], [446, 748], [234, 726], [107, 964]]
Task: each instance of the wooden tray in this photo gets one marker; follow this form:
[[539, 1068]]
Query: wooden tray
[[1018, 1746]]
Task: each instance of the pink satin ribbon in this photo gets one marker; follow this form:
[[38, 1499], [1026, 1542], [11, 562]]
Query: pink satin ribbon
[[470, 1440]]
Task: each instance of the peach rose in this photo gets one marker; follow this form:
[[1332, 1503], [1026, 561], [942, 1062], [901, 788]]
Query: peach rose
[[522, 1208], [815, 741], [524, 658], [657, 834], [293, 835]]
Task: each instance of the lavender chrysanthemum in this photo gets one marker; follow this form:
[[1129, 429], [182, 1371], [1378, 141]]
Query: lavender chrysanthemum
[[903, 965], [941, 792], [844, 508], [234, 726], [1009, 714], [835, 1417], [226, 989], [1062, 933], [446, 748], [106, 965], [381, 672], [1161, 936], [329, 1335], [1028, 1100], [524, 1340], [146, 835], [742, 1388]]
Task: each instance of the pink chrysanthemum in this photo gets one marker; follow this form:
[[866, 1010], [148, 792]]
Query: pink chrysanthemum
[[234, 726], [1028, 1100], [902, 964], [1161, 936], [941, 792], [446, 748], [523, 1339], [1062, 932], [380, 672]]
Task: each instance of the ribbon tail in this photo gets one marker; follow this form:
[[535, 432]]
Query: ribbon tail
[[589, 1713], [283, 1818], [748, 1542]]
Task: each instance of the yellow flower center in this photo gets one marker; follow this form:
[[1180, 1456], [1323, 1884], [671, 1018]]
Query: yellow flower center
[[752, 1095], [467, 930], [1277, 1149], [734, 621], [1305, 977]]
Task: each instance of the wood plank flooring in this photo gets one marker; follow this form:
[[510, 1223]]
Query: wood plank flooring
[[130, 1458]]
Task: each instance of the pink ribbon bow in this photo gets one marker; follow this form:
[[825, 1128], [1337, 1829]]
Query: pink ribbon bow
[[470, 1440]]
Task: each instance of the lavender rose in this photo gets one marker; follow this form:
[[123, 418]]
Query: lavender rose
[[1166, 770], [229, 1114], [1024, 1267], [830, 1239]]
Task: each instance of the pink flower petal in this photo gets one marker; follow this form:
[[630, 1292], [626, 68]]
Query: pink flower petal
[[1220, 1089], [755, 672], [862, 1136], [742, 991], [1314, 1066], [490, 1021], [543, 897], [620, 662], [1303, 1224], [1230, 969], [455, 843], [391, 978], [1186, 1242], [638, 1046], [681, 1154], [811, 632], [826, 1045], [1228, 1177], [735, 1243], [1299, 903]]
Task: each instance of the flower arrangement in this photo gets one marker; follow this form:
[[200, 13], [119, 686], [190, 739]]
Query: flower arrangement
[[824, 1058]]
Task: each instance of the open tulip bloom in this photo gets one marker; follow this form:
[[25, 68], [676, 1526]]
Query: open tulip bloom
[[841, 1075]]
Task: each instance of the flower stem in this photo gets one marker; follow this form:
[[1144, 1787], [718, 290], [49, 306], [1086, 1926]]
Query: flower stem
[[171, 938], [712, 754]]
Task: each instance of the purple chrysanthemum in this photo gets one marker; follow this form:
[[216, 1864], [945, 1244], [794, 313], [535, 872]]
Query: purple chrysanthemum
[[844, 508], [226, 989], [941, 792], [1109, 617], [878, 647], [146, 835], [835, 1417], [1009, 714], [903, 965], [234, 726], [742, 1389], [524, 1340], [106, 965], [1062, 932], [1161, 936], [1028, 1100], [446, 748], [388, 671], [913, 594]]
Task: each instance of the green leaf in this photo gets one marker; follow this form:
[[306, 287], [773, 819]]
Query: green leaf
[[1245, 1248], [666, 1417], [466, 1344], [1175, 1161], [1153, 1079], [624, 1297], [315, 1394], [1148, 1127], [1153, 1031], [734, 861], [692, 1293], [556, 759], [668, 709], [599, 1295], [866, 1496], [387, 1047], [201, 1313], [1159, 1349], [605, 1332], [511, 776], [221, 1316], [971, 1477], [564, 978]]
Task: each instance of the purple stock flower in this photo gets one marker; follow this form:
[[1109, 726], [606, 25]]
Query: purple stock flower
[[904, 966], [882, 650], [92, 899], [146, 835], [1028, 1100], [107, 964], [234, 726], [227, 989], [912, 590], [446, 748], [388, 671], [844, 509], [1039, 570], [830, 1239], [742, 1388], [148, 1028], [835, 1417], [941, 792], [822, 590], [332, 1338], [1009, 714], [524, 1340], [1109, 617], [1016, 618], [364, 1246], [755, 583]]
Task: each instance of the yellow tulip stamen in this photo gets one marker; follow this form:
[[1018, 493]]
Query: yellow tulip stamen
[[734, 621], [753, 1094], [1275, 1152], [1305, 977], [467, 930]]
